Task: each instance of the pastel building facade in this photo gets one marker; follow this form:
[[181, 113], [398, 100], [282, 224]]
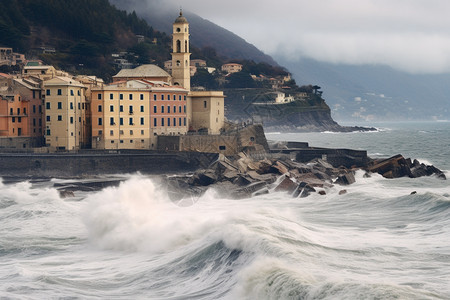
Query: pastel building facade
[[131, 114], [65, 114]]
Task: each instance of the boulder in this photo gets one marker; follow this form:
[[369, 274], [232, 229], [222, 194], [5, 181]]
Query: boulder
[[346, 179], [342, 192], [65, 194], [281, 167], [303, 190], [286, 185]]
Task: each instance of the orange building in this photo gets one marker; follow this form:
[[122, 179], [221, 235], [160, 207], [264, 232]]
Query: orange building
[[13, 116]]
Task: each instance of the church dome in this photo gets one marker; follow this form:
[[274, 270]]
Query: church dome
[[181, 19]]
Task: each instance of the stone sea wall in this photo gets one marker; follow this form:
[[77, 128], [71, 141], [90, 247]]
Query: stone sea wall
[[88, 163]]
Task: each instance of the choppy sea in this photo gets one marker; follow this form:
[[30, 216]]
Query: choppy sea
[[378, 241]]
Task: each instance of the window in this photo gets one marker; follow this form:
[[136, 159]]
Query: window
[[111, 121], [18, 111], [131, 132], [184, 109], [142, 121], [71, 120], [179, 109], [121, 141], [130, 121], [121, 121], [59, 105], [222, 148], [184, 122], [121, 108], [142, 96], [24, 111], [71, 92], [100, 132], [174, 121], [59, 92], [184, 98], [154, 97], [155, 109], [111, 108], [179, 121], [168, 121], [162, 121], [79, 119], [174, 97], [111, 132], [100, 121], [162, 109], [59, 118], [155, 122], [78, 93], [99, 96], [13, 119], [142, 132], [131, 109], [205, 104], [11, 111], [47, 105], [121, 96], [162, 97], [99, 108], [130, 96], [111, 96], [168, 109], [34, 109], [142, 108], [19, 120], [179, 97], [71, 105], [48, 132], [121, 132], [79, 106], [168, 97], [174, 109], [47, 92], [131, 141]]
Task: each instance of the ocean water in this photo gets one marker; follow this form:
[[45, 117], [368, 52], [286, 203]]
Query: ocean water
[[378, 241]]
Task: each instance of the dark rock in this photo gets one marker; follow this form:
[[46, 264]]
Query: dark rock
[[342, 192], [413, 193], [66, 194], [346, 179], [303, 190], [286, 185], [322, 192], [281, 167], [203, 178], [242, 180]]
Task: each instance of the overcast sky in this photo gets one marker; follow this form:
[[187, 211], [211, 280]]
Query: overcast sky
[[410, 35]]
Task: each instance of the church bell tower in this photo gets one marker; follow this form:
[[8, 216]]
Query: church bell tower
[[180, 53]]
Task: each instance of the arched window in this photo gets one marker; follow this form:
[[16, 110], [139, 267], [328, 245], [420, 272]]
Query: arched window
[[178, 46], [186, 46], [178, 63]]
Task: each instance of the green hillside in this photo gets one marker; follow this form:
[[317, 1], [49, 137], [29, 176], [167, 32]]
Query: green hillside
[[84, 33]]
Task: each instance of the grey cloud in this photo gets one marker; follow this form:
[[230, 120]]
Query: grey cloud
[[410, 35]]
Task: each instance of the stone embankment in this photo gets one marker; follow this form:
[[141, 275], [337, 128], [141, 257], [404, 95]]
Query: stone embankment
[[246, 177]]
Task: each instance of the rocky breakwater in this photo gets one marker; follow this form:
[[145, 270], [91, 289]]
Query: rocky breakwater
[[245, 176]]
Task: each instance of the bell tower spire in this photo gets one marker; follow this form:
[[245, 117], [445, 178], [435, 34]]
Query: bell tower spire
[[180, 52]]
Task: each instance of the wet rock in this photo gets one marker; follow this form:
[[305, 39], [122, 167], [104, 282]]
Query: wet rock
[[303, 190], [286, 185], [413, 193], [342, 192], [281, 167], [346, 179], [66, 194], [322, 193]]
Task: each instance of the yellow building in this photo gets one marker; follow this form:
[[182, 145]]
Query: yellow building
[[65, 113], [207, 111], [131, 114]]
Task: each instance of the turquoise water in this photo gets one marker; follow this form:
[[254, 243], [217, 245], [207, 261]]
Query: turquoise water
[[131, 242]]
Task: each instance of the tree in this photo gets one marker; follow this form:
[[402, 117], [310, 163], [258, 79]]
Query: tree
[[240, 80], [205, 79]]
